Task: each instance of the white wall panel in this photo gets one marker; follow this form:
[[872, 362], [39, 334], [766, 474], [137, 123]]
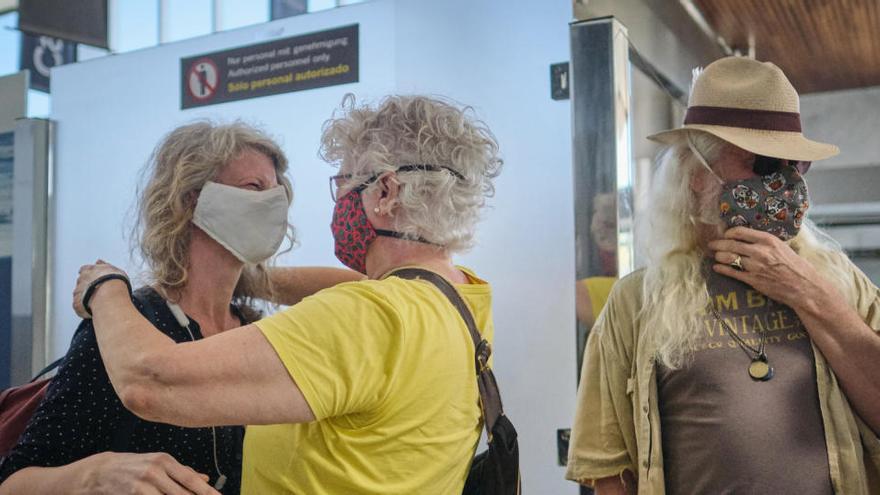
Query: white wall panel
[[847, 118], [495, 56]]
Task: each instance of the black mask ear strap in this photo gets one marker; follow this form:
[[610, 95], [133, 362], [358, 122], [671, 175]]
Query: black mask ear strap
[[400, 235]]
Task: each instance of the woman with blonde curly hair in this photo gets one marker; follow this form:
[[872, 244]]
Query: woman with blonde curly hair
[[366, 387], [212, 213]]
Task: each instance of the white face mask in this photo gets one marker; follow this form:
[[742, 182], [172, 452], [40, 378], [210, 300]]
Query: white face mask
[[249, 224]]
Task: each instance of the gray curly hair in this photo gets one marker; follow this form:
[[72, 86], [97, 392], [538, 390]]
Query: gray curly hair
[[437, 206]]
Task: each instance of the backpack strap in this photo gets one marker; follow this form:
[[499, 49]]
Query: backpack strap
[[54, 364], [490, 397], [47, 369]]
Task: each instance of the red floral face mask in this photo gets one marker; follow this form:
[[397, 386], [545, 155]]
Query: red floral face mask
[[352, 231]]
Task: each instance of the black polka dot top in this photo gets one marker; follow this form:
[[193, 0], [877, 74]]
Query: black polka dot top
[[81, 414]]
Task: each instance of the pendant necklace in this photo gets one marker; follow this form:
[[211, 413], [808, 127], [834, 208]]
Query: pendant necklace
[[759, 369]]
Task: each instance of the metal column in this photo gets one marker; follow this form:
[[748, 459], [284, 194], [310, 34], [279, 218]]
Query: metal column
[[601, 148], [32, 197]]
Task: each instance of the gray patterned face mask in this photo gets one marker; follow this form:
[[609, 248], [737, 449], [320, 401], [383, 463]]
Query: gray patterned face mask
[[774, 203]]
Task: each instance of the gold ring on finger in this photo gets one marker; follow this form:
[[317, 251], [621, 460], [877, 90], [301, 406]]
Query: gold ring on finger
[[737, 263]]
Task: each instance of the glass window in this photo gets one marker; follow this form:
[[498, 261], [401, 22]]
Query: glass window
[[10, 44], [237, 13], [38, 104], [134, 24], [184, 19], [86, 52], [316, 5]]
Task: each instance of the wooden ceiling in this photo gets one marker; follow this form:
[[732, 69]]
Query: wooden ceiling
[[821, 45]]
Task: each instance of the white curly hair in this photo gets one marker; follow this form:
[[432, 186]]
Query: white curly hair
[[442, 206]]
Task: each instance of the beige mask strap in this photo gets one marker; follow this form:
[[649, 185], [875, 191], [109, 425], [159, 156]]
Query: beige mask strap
[[693, 147]]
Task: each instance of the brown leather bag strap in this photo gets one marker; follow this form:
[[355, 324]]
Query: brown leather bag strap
[[490, 397]]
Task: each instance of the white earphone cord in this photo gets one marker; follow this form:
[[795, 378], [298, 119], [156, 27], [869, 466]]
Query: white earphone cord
[[183, 321]]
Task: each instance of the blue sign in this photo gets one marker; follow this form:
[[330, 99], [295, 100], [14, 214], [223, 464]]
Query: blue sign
[[40, 53]]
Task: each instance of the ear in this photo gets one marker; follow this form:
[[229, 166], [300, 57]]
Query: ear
[[389, 196], [191, 198], [702, 180], [699, 180]]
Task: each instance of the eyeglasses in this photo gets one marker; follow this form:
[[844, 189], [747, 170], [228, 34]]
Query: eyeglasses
[[766, 165], [338, 182]]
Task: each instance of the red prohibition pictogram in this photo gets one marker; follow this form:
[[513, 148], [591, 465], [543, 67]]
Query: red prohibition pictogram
[[202, 79]]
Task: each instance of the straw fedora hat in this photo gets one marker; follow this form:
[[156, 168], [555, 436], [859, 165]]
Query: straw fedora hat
[[752, 105]]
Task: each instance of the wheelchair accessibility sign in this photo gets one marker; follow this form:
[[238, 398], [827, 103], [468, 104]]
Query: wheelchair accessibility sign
[[202, 79]]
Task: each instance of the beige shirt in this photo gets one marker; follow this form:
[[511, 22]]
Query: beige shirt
[[617, 422]]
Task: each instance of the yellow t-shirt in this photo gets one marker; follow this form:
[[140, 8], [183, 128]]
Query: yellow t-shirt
[[387, 367], [599, 289]]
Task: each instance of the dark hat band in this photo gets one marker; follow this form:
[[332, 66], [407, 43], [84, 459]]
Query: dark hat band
[[766, 120]]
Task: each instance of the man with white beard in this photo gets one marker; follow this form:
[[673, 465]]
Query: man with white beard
[[745, 357]]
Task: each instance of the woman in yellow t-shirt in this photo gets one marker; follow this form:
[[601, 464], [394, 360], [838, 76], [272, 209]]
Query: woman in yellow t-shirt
[[366, 387]]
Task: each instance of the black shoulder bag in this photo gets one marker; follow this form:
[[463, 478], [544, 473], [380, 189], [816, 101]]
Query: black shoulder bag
[[495, 471]]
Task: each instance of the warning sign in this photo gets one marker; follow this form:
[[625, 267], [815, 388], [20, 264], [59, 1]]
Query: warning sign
[[314, 60], [202, 79]]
